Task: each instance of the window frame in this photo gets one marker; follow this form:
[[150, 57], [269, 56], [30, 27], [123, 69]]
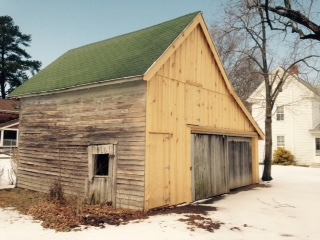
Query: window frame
[[105, 168], [93, 152], [280, 113], [317, 151], [3, 139], [281, 142]]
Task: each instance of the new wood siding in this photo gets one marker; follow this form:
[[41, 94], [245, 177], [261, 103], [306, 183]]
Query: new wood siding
[[188, 90], [56, 130]]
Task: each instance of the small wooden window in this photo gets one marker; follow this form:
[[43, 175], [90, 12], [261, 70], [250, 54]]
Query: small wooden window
[[101, 160], [101, 164]]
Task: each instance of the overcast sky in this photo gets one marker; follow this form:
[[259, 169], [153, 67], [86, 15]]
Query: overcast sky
[[57, 26]]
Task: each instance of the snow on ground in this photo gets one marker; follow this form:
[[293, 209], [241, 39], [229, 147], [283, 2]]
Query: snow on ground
[[285, 208], [7, 176]]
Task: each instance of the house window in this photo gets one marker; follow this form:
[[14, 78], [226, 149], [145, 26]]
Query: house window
[[280, 141], [318, 146], [101, 164], [9, 138], [280, 113]]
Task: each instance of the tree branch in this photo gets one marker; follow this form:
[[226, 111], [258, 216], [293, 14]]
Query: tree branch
[[276, 92], [294, 17]]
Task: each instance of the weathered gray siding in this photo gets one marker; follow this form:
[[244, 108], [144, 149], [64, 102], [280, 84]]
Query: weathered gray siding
[[209, 165], [240, 162], [55, 131], [220, 163]]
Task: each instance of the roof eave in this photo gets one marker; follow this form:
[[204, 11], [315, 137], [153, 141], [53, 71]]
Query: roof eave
[[9, 124], [82, 86]]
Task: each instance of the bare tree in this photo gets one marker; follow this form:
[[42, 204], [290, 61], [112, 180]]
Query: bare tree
[[291, 14], [265, 50], [242, 71]]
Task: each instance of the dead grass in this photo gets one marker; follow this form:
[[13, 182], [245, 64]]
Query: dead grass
[[20, 199], [64, 216]]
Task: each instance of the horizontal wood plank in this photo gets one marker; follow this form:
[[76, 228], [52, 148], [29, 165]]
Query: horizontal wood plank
[[56, 130]]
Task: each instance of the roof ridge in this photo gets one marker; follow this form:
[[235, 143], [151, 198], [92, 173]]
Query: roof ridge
[[135, 31]]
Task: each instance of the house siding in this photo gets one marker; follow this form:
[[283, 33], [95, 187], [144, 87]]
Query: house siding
[[315, 112], [299, 118], [56, 130], [315, 122]]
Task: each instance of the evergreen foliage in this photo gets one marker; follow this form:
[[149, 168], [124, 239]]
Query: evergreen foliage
[[15, 62], [283, 157]]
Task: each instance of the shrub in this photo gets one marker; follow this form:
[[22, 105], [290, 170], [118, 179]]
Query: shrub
[[56, 193], [283, 157]]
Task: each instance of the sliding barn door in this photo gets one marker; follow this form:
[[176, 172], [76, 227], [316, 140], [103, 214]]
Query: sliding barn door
[[209, 166], [240, 162]]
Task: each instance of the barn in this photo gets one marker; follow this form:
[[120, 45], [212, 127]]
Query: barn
[[141, 120]]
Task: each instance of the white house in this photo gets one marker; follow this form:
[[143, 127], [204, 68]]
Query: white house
[[9, 133], [295, 120]]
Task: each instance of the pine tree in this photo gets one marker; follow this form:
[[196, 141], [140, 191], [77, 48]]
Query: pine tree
[[15, 63]]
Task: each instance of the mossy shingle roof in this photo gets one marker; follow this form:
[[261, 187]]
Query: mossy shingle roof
[[127, 55]]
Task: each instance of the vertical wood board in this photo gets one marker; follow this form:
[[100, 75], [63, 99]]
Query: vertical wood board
[[209, 166], [240, 162], [159, 171]]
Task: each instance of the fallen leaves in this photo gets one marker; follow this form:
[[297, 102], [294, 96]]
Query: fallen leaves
[[72, 214], [65, 217]]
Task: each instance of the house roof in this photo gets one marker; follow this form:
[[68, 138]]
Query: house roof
[[125, 56], [315, 129], [314, 89], [9, 106], [10, 123]]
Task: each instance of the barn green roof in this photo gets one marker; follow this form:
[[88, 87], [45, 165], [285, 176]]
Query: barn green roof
[[128, 55]]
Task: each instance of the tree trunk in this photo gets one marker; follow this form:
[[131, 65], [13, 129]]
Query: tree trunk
[[3, 90], [268, 143]]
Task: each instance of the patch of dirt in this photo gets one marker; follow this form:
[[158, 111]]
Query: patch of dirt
[[190, 208], [286, 235], [95, 215], [197, 221], [235, 229], [234, 191], [250, 187], [213, 199], [194, 219]]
